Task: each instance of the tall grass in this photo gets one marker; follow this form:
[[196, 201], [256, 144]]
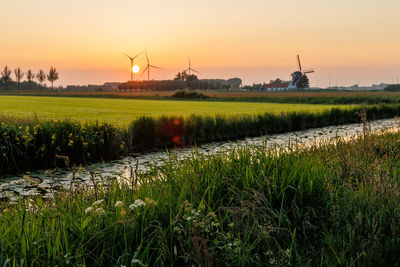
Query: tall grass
[[28, 144], [328, 204]]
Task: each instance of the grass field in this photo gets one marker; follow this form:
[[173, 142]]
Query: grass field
[[123, 111]]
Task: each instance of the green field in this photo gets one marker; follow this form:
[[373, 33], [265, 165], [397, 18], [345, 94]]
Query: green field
[[123, 111]]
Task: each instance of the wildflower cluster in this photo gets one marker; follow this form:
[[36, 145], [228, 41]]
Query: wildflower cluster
[[138, 203], [96, 208]]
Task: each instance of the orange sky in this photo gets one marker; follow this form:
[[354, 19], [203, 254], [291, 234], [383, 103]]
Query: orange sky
[[256, 40]]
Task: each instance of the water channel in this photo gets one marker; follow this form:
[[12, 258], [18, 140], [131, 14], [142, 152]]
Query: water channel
[[43, 181]]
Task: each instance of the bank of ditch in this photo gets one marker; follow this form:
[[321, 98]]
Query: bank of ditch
[[27, 144], [334, 203]]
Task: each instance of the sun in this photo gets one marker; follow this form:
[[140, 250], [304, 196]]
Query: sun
[[135, 69]]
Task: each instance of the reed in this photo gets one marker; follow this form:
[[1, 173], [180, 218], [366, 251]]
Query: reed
[[27, 144], [334, 203]]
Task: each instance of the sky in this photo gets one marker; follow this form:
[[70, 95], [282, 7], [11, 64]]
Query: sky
[[345, 42]]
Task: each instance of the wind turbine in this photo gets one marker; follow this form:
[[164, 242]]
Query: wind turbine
[[132, 59], [148, 68], [190, 68]]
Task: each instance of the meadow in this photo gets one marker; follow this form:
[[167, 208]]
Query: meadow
[[327, 97], [123, 111], [331, 204]]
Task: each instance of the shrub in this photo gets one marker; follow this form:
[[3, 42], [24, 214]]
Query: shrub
[[189, 95]]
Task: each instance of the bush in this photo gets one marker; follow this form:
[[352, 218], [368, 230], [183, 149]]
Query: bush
[[189, 95], [392, 88], [142, 134]]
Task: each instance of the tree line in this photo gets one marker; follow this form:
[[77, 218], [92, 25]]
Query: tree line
[[6, 80], [181, 81]]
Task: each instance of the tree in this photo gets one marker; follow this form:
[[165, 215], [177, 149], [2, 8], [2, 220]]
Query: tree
[[234, 82], [192, 81], [30, 75], [52, 76], [41, 77], [178, 77], [6, 76], [18, 74], [303, 83]]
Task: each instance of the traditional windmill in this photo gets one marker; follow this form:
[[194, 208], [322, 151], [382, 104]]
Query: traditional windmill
[[298, 75]]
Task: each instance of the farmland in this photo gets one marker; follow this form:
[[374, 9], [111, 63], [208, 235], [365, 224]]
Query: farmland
[[294, 97], [123, 111]]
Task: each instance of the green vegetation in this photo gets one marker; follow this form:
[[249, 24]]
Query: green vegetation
[[123, 111], [329, 204], [189, 95], [30, 144], [48, 144], [393, 88], [321, 97]]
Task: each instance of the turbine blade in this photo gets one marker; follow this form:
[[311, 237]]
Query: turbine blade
[[139, 54], [126, 55], [195, 71], [144, 70], [148, 63], [155, 67]]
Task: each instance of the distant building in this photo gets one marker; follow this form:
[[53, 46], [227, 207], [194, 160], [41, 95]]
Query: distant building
[[275, 85], [356, 87], [111, 86]]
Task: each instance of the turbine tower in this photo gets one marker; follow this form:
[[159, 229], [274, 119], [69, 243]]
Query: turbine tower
[[190, 68], [148, 68], [132, 59]]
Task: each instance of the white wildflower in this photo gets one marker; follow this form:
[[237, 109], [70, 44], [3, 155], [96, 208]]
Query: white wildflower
[[136, 204], [119, 204], [98, 202], [88, 210], [100, 211], [189, 219], [139, 203]]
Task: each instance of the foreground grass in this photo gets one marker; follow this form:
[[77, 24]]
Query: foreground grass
[[329, 204], [123, 111]]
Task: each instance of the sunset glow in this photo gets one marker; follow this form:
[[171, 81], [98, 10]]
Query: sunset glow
[[344, 41], [135, 69]]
